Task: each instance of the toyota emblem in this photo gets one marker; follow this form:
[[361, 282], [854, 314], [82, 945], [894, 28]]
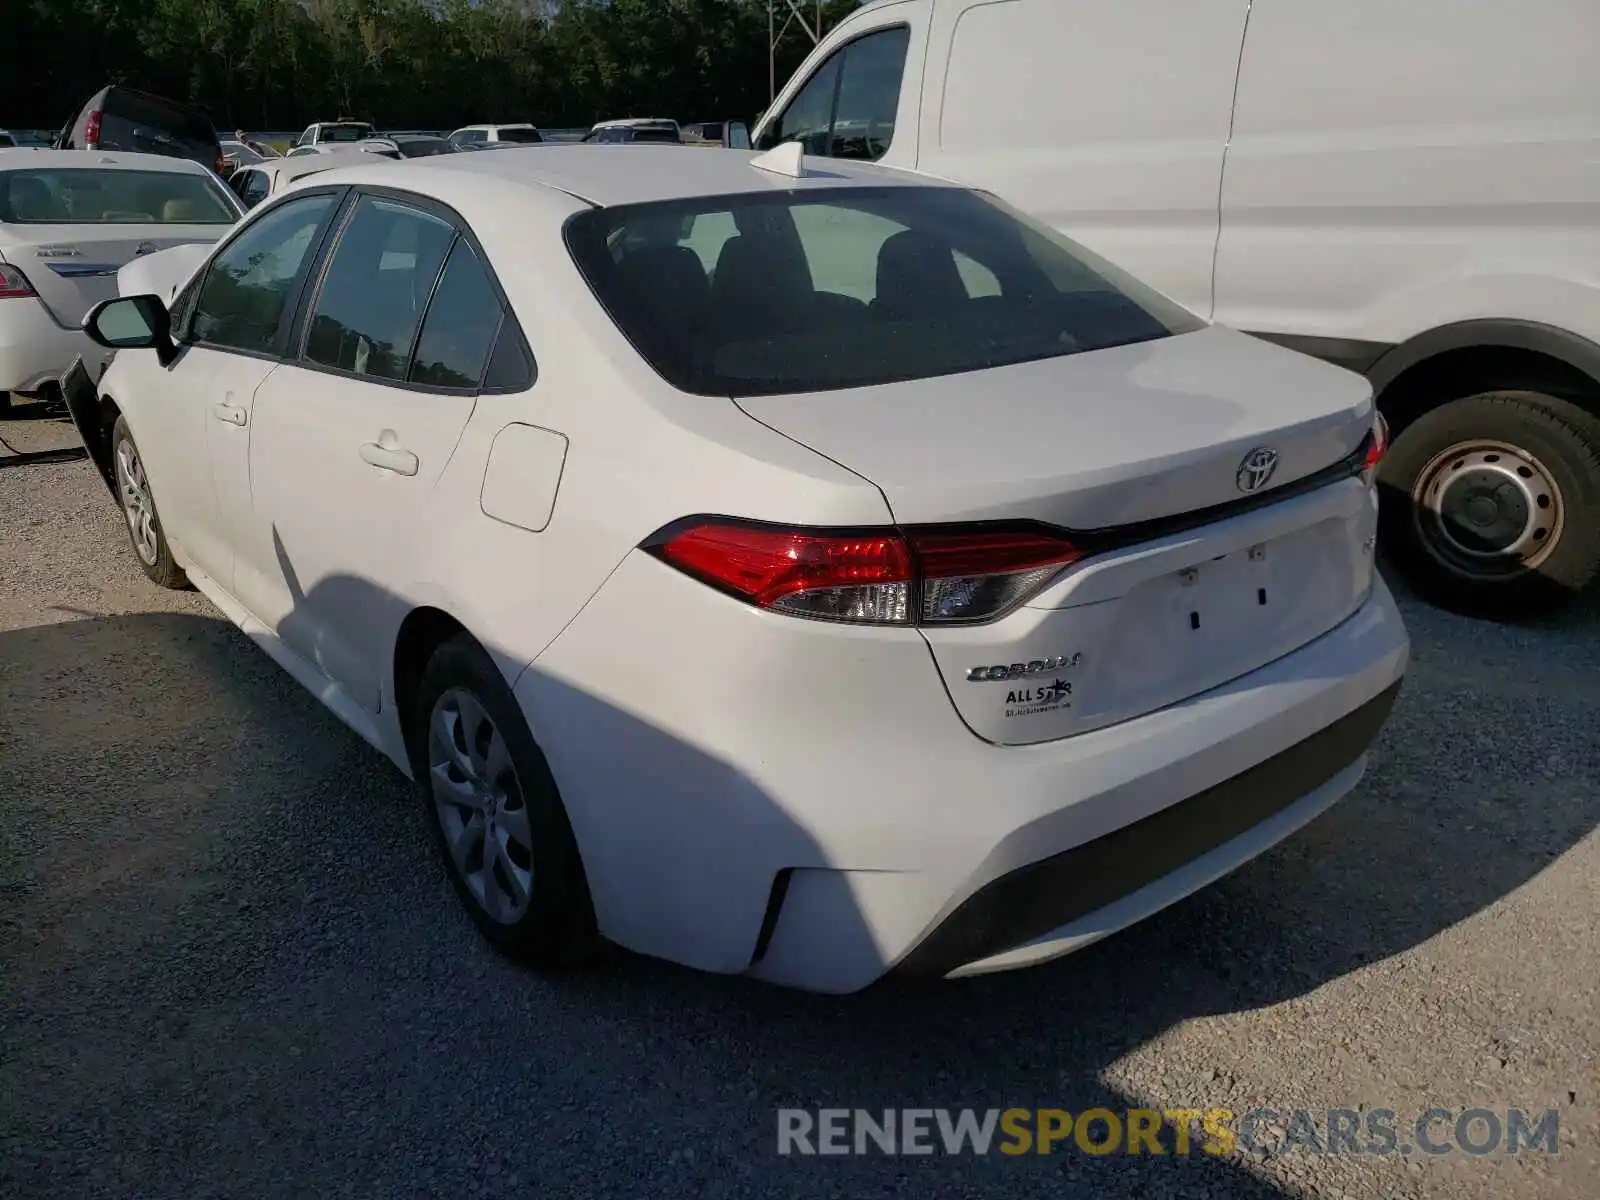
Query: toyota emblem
[[1256, 469]]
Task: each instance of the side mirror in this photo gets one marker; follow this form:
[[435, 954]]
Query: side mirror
[[133, 323], [735, 135]]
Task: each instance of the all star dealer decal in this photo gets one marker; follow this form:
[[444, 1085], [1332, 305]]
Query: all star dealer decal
[[1039, 698]]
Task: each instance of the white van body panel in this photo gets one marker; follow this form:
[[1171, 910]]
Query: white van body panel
[[1333, 169], [1387, 176]]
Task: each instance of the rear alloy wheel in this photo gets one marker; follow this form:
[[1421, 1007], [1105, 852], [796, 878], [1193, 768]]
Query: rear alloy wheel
[[1491, 504], [498, 821], [139, 511]]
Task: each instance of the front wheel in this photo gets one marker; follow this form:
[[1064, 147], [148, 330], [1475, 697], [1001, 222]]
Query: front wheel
[[1491, 503], [139, 511]]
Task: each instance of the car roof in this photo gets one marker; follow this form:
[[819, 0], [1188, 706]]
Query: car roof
[[112, 160], [612, 175], [309, 164]]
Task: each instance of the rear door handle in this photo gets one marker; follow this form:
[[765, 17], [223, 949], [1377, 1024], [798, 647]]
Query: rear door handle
[[389, 457], [231, 413]]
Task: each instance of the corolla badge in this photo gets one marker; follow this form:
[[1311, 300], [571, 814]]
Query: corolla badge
[[1256, 469], [1038, 666]]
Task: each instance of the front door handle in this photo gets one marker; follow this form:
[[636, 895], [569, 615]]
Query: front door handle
[[387, 456], [231, 413]]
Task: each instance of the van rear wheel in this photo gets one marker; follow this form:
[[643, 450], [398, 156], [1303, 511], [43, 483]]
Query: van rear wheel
[[1491, 503]]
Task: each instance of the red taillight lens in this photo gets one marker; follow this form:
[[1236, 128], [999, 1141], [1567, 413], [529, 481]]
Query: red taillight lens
[[840, 577], [220, 165], [13, 283], [1377, 447], [870, 576], [91, 131]]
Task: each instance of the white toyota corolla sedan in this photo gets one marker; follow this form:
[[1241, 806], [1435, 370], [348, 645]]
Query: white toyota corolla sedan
[[68, 221], [810, 573]]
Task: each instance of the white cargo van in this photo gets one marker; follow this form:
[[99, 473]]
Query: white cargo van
[[1407, 188]]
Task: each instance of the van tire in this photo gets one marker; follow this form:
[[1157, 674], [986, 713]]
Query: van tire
[[1467, 478]]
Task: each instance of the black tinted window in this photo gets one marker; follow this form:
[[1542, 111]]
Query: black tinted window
[[520, 135], [803, 291], [242, 300], [461, 324], [847, 109], [377, 284]]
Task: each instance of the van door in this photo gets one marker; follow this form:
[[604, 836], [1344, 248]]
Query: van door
[[1109, 121]]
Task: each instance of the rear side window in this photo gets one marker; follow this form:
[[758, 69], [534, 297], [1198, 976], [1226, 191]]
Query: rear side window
[[461, 324], [377, 284], [529, 136], [851, 287], [91, 196], [847, 108]]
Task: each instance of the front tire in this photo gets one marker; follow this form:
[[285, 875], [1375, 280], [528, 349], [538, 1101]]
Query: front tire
[[1491, 503], [139, 511], [496, 816]]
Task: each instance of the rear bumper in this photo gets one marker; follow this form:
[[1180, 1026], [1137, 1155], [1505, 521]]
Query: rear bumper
[[801, 802], [1040, 910], [35, 349]]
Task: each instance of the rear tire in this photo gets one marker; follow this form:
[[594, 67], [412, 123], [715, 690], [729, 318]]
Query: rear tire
[[1491, 503], [139, 514], [496, 816]]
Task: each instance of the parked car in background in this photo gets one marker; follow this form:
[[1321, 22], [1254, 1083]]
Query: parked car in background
[[471, 135], [256, 183], [28, 138], [1440, 236], [238, 154], [967, 600], [322, 132], [68, 221], [120, 118], [419, 145], [657, 130]]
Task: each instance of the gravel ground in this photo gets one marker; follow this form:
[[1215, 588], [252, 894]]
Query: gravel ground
[[231, 966]]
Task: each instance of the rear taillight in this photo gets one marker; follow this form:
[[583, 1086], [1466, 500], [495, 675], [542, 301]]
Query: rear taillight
[[220, 163], [91, 131], [873, 576], [13, 283], [1377, 447]]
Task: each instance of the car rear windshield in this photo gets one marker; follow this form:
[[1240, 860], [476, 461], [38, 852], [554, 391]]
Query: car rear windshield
[[87, 196], [801, 291], [161, 114], [344, 133], [520, 135]]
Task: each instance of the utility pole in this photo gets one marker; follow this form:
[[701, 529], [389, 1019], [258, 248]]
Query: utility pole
[[794, 14]]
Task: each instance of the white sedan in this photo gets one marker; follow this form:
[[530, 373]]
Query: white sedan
[[68, 222], [808, 575]]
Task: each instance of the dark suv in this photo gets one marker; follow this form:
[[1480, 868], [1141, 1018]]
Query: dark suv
[[119, 118]]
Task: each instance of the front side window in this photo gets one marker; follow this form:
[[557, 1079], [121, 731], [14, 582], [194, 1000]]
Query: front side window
[[376, 287], [852, 287], [90, 196], [847, 108], [242, 301], [469, 137]]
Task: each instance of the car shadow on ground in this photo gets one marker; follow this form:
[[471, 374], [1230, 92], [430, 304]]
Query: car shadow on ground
[[238, 967]]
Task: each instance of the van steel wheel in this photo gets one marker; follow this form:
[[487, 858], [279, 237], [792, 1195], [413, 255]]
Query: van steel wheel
[[1491, 504], [139, 511], [496, 816]]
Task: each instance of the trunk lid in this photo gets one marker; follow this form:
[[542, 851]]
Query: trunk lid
[[1148, 433], [74, 267]]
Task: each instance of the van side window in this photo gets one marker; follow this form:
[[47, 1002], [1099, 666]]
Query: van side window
[[847, 108]]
